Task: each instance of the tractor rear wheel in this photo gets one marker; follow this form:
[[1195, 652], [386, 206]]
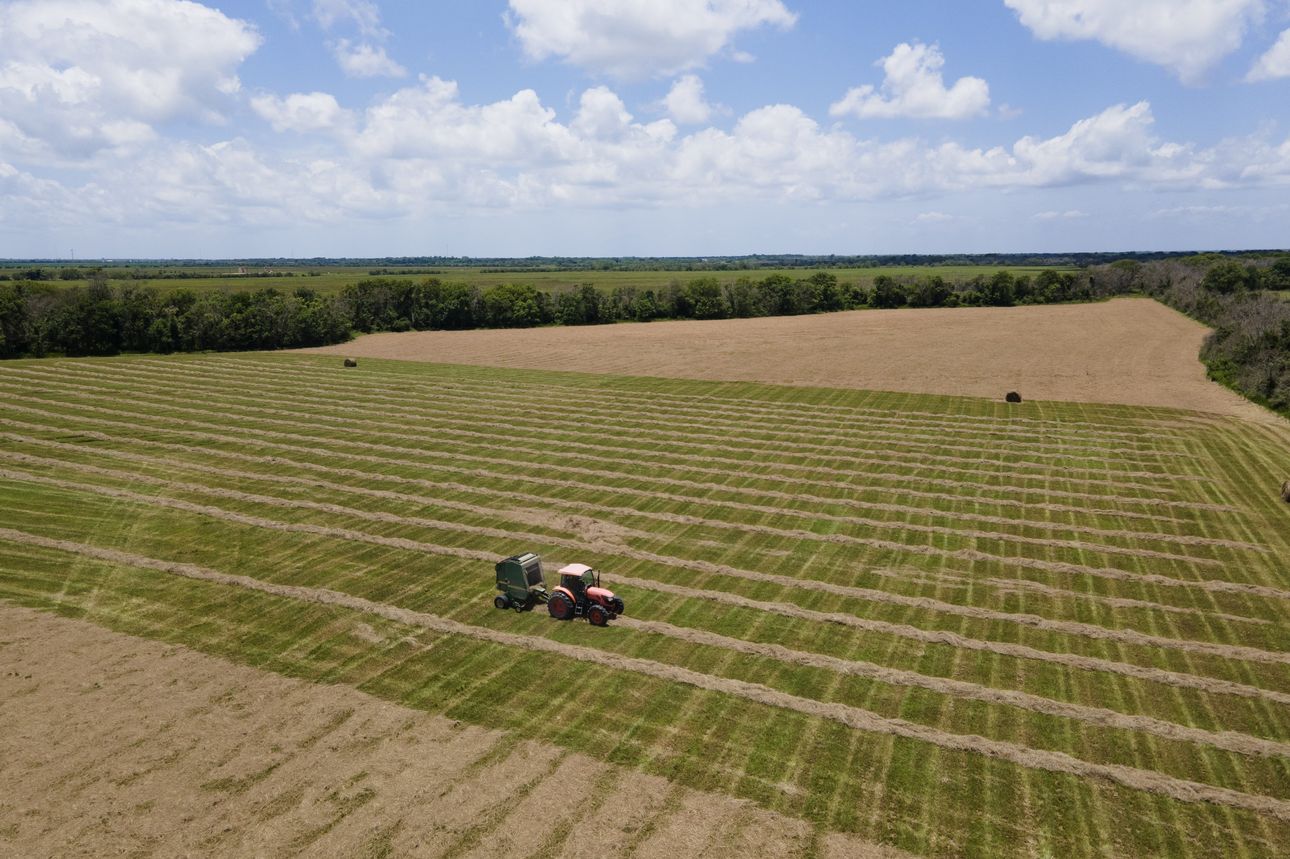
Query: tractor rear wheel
[[501, 602], [560, 607], [597, 616]]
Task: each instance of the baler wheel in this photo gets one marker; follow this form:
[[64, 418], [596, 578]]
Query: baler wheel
[[501, 602]]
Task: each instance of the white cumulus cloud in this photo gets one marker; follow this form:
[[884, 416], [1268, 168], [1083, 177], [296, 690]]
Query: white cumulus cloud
[[914, 87], [1186, 36], [366, 61], [301, 112], [636, 39], [686, 102], [78, 76], [1275, 63]]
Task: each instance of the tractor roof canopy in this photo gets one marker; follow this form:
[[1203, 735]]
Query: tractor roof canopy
[[581, 571]]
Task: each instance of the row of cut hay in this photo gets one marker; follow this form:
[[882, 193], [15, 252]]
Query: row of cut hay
[[1125, 636], [560, 433], [928, 550], [278, 462], [798, 434], [961, 554], [647, 389], [93, 393], [861, 720], [1196, 681]]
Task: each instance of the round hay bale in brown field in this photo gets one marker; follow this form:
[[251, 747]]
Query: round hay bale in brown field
[[1013, 397], [350, 362], [1285, 492]]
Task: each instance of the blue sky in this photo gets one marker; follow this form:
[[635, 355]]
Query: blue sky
[[166, 128]]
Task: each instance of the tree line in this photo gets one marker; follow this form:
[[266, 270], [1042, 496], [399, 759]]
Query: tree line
[[1249, 351]]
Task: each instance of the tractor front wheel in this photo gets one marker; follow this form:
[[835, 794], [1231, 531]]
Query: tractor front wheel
[[501, 602], [598, 616], [560, 607]]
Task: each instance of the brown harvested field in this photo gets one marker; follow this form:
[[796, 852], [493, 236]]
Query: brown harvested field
[[118, 745], [1128, 351]]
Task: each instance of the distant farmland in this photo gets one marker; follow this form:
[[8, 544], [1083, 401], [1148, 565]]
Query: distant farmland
[[334, 279], [944, 624]]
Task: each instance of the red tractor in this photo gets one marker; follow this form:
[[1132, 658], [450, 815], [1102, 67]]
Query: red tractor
[[521, 586], [579, 594]]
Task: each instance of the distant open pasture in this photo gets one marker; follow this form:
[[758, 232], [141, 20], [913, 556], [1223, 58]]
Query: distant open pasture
[[1125, 351], [948, 625], [329, 280]]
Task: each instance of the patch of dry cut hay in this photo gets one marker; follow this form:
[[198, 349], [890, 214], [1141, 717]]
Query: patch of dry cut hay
[[232, 761], [1129, 351]]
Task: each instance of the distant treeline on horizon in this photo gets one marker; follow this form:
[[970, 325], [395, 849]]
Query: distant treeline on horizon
[[750, 262], [1239, 298]]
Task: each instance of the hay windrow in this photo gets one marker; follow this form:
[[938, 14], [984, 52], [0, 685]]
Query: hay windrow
[[861, 720], [1125, 636], [918, 461], [570, 419]]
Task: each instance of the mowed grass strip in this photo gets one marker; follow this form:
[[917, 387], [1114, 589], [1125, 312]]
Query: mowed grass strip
[[740, 637], [506, 681], [350, 534], [449, 431], [573, 418], [972, 554]]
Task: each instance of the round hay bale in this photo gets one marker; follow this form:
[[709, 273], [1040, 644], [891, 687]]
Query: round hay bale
[[1285, 492], [1013, 397], [350, 362]]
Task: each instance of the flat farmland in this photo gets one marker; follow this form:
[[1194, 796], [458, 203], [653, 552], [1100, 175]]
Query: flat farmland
[[332, 280], [1130, 351], [939, 624]]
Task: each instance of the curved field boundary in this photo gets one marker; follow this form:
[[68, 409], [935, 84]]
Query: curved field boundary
[[688, 519], [557, 438], [781, 409], [1147, 501], [998, 584], [570, 419], [1235, 652], [913, 633], [1218, 585], [861, 720], [685, 499]]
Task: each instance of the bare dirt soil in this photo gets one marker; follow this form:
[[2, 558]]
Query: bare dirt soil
[[1130, 351], [117, 745]]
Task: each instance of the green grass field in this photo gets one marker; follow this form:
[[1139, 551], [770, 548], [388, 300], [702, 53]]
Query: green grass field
[[950, 625], [329, 280]]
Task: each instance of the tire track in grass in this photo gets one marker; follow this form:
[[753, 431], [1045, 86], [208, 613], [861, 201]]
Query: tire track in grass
[[1041, 470], [688, 499], [782, 410], [1217, 585], [1073, 628], [1051, 761], [999, 584], [879, 524], [571, 420]]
